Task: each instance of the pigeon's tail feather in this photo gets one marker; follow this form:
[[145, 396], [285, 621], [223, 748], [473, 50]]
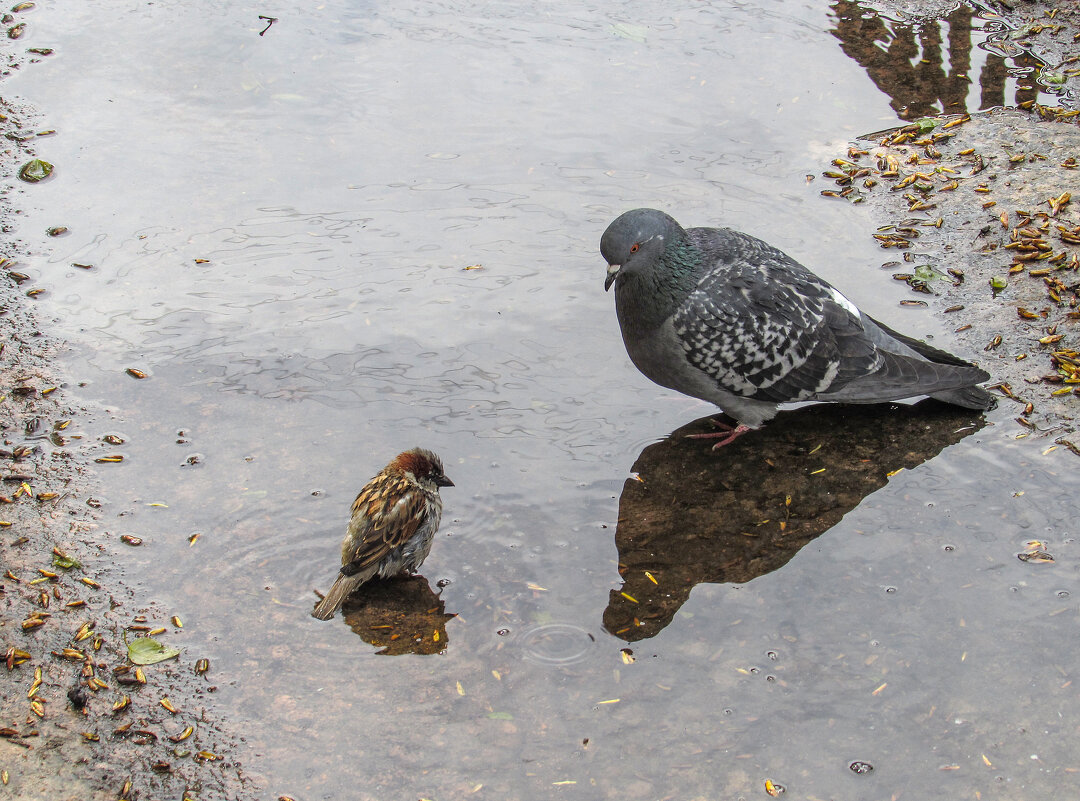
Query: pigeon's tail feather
[[344, 586], [901, 376], [973, 397]]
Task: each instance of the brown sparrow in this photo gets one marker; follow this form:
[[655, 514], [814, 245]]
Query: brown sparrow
[[393, 521]]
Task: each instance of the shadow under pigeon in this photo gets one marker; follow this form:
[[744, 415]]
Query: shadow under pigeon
[[694, 515], [399, 615]]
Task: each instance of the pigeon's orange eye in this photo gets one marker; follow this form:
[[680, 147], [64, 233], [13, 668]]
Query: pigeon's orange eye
[[634, 248]]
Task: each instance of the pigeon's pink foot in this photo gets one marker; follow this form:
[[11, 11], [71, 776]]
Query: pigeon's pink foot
[[726, 435]]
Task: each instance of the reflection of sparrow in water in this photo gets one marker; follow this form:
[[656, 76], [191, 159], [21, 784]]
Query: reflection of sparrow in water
[[393, 520]]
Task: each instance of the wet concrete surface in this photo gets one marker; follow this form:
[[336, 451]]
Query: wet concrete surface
[[1014, 237], [310, 288]]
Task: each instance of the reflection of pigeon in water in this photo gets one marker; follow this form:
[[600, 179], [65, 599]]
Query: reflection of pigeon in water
[[722, 316], [393, 520], [751, 510]]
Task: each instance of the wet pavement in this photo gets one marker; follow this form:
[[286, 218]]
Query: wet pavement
[[371, 228]]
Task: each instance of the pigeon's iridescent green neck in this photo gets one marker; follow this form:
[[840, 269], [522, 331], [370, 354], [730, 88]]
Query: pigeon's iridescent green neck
[[680, 265], [649, 297]]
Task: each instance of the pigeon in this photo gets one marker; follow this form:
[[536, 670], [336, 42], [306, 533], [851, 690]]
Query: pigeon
[[725, 317]]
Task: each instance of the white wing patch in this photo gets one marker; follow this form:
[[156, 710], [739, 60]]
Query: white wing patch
[[847, 304], [830, 375]]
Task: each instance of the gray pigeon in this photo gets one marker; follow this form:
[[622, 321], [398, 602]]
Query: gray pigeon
[[722, 316]]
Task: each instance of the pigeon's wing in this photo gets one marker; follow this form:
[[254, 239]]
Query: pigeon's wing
[[910, 367], [390, 517], [927, 351], [765, 327], [773, 334]]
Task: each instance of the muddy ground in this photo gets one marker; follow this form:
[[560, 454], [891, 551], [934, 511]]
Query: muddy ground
[[78, 720], [974, 215]]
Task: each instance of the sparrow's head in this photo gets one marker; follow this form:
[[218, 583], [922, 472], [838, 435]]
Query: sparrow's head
[[424, 467]]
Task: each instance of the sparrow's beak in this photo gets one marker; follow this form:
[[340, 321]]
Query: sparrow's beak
[[443, 481], [612, 271]]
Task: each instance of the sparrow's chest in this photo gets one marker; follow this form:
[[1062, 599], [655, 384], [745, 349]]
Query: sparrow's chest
[[416, 548]]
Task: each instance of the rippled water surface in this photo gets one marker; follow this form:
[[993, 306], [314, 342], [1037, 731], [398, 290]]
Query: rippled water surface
[[376, 226]]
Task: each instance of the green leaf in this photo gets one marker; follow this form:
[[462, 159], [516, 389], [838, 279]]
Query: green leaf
[[147, 651], [35, 170], [66, 562], [1051, 77], [926, 124], [635, 33], [500, 716], [924, 272], [997, 283]]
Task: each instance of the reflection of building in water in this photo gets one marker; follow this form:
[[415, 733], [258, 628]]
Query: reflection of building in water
[[929, 67], [696, 515]]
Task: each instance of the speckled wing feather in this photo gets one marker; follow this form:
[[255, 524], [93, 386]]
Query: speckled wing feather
[[766, 328], [386, 525]]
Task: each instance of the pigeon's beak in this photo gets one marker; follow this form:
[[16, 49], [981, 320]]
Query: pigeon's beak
[[612, 271]]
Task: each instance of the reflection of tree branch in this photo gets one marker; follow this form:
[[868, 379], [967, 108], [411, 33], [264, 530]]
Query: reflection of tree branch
[[698, 515], [996, 72], [887, 54], [401, 616]]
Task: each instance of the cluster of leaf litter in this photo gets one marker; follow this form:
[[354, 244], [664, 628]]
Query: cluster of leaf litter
[[93, 695], [986, 222], [92, 701]]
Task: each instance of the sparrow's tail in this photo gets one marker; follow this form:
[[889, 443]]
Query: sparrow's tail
[[344, 586]]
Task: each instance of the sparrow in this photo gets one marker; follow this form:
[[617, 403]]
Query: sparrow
[[394, 519], [723, 316]]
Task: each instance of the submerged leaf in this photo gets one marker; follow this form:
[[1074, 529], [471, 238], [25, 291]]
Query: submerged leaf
[[635, 33], [35, 170], [924, 272], [148, 651]]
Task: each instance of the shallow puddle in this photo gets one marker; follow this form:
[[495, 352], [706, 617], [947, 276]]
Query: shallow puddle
[[374, 227]]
